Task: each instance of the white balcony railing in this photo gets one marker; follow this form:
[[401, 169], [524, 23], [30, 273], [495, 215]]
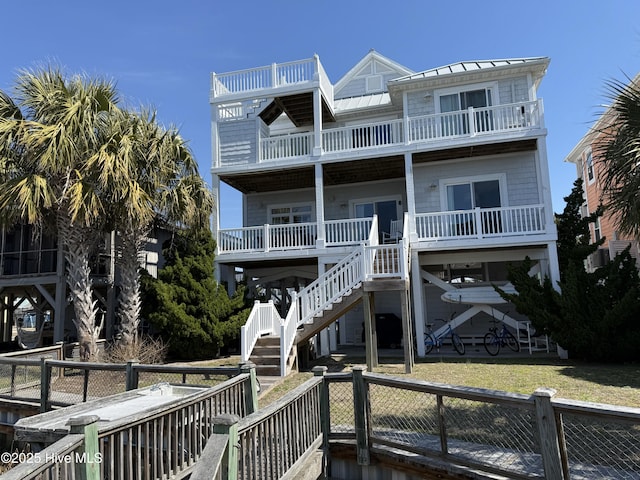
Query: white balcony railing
[[261, 78], [350, 231], [476, 121], [293, 236], [362, 136], [481, 223], [500, 119], [286, 146]]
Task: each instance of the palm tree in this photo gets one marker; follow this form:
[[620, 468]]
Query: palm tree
[[47, 139], [618, 148], [150, 175]]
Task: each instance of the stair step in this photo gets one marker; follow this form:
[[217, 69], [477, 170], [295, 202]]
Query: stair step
[[268, 340], [268, 370], [259, 350]]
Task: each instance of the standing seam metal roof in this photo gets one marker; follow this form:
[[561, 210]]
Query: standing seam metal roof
[[469, 66]]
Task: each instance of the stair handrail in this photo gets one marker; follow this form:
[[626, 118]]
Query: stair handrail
[[288, 328], [331, 286], [264, 319]]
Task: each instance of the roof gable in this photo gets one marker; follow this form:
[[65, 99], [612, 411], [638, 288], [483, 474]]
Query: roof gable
[[369, 76]]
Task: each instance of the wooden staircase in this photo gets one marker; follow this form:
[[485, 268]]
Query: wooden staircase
[[266, 357], [320, 322]]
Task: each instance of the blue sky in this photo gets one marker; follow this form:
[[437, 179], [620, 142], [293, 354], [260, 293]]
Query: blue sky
[[161, 53]]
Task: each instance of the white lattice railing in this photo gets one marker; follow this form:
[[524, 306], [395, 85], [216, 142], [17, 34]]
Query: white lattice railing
[[481, 222], [264, 319]]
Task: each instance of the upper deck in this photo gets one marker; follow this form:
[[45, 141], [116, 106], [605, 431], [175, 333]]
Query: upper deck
[[248, 102]]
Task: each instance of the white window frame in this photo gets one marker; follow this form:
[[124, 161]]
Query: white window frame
[[597, 231], [388, 198], [291, 206], [445, 182], [589, 171], [491, 86]]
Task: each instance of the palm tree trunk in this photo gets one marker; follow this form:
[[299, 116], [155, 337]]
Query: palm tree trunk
[[129, 302], [78, 245]]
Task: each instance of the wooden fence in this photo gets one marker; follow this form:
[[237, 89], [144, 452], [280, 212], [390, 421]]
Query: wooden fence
[[499, 433]]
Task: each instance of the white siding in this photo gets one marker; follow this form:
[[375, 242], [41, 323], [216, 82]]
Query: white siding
[[418, 103], [258, 203], [520, 169], [337, 199], [237, 142], [513, 90]]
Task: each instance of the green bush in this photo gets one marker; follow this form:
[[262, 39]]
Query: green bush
[[192, 313]]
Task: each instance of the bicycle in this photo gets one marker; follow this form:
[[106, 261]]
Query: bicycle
[[495, 339], [430, 340]]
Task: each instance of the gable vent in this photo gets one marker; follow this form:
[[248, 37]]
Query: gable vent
[[374, 83]]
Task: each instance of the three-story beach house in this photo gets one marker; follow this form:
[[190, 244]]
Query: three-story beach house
[[377, 204]]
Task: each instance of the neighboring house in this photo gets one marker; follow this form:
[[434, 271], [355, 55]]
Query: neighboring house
[[439, 178], [33, 279], [588, 167]]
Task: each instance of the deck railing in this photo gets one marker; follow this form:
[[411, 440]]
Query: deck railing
[[286, 146], [261, 78], [362, 136], [515, 435], [481, 223], [50, 381], [508, 434], [265, 238], [273, 439], [499, 119], [349, 231]]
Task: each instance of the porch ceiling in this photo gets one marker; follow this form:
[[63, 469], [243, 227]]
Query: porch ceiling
[[475, 151], [299, 109], [339, 173]]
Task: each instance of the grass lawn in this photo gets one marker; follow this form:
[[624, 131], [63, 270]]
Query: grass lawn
[[601, 383]]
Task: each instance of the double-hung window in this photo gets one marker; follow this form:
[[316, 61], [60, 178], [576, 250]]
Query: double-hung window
[[589, 167]]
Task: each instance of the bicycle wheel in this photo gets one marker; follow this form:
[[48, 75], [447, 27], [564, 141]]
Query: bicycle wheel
[[511, 341], [458, 344], [492, 344], [429, 342]]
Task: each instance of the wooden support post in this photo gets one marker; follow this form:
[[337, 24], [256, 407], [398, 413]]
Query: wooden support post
[[87, 460], [228, 425], [548, 431], [370, 337], [325, 419], [45, 384], [131, 375], [360, 410], [407, 332], [251, 387]]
